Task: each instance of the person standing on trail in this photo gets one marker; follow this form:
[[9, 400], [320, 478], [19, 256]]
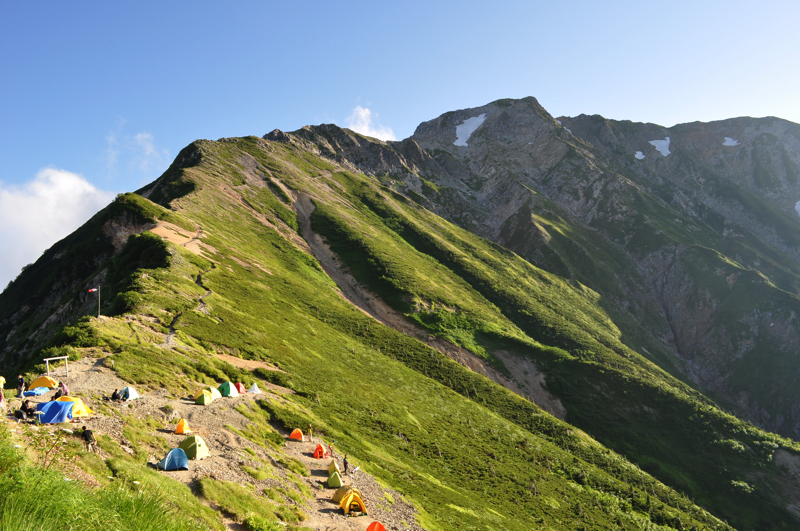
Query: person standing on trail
[[330, 450], [20, 385], [346, 463], [88, 436], [310, 435]]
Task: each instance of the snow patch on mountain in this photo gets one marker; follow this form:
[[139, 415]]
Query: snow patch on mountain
[[639, 155], [730, 141], [662, 146], [467, 127]]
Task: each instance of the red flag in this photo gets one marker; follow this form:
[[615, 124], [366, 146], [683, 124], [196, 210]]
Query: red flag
[[92, 290]]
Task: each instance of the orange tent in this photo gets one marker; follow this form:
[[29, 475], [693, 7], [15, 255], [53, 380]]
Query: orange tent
[[319, 452], [376, 526], [183, 428], [297, 435]]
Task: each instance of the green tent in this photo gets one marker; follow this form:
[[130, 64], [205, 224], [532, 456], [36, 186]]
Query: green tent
[[335, 481], [195, 447], [228, 389], [204, 398]]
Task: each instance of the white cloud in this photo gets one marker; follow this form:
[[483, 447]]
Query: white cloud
[[150, 155], [39, 213], [360, 121]]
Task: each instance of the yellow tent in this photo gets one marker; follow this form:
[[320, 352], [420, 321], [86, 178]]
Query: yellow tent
[[344, 492], [43, 381], [353, 502], [79, 409], [183, 428], [213, 390], [333, 467]]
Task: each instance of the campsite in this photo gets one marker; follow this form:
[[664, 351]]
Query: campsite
[[167, 430]]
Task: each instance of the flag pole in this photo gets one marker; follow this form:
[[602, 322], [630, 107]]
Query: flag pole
[[97, 289]]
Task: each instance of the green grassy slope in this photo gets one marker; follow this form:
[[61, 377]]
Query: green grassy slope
[[473, 455]]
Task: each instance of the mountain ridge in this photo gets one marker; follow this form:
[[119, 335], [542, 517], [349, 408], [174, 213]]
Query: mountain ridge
[[275, 296]]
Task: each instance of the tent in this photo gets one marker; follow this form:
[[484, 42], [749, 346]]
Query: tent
[[183, 428], [343, 492], [36, 391], [297, 435], [43, 381], [228, 389], [241, 388], [333, 467], [376, 526], [129, 393], [319, 452], [204, 398], [335, 481], [353, 502], [195, 447], [255, 390], [175, 460], [79, 409], [55, 412], [212, 390]]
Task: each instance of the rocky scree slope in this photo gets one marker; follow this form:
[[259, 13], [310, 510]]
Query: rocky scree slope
[[689, 234]]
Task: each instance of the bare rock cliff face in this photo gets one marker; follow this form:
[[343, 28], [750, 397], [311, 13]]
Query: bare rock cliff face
[[689, 233]]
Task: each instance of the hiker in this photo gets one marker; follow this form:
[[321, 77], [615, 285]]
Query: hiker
[[345, 463], [115, 396], [310, 437], [2, 399], [28, 408], [88, 436], [330, 450], [20, 385], [59, 394], [64, 389]]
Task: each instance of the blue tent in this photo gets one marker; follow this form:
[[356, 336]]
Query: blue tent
[[55, 412], [176, 460]]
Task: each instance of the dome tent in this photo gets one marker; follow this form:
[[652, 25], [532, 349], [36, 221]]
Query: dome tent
[[241, 388], [129, 393], [79, 409], [195, 447], [297, 435], [204, 398], [228, 389], [335, 481], [255, 390], [175, 460], [183, 428], [343, 492], [43, 381]]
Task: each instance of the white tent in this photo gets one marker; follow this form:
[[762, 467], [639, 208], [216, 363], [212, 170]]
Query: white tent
[[129, 393], [255, 390]]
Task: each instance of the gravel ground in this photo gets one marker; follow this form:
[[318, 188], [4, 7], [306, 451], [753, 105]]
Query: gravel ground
[[92, 380]]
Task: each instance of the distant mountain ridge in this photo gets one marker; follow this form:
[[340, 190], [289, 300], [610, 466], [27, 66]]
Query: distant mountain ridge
[[663, 237]]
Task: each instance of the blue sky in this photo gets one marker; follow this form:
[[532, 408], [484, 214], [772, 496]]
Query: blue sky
[[97, 98]]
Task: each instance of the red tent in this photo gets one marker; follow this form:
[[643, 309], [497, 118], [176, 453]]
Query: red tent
[[241, 388], [297, 435], [376, 526], [319, 453]]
